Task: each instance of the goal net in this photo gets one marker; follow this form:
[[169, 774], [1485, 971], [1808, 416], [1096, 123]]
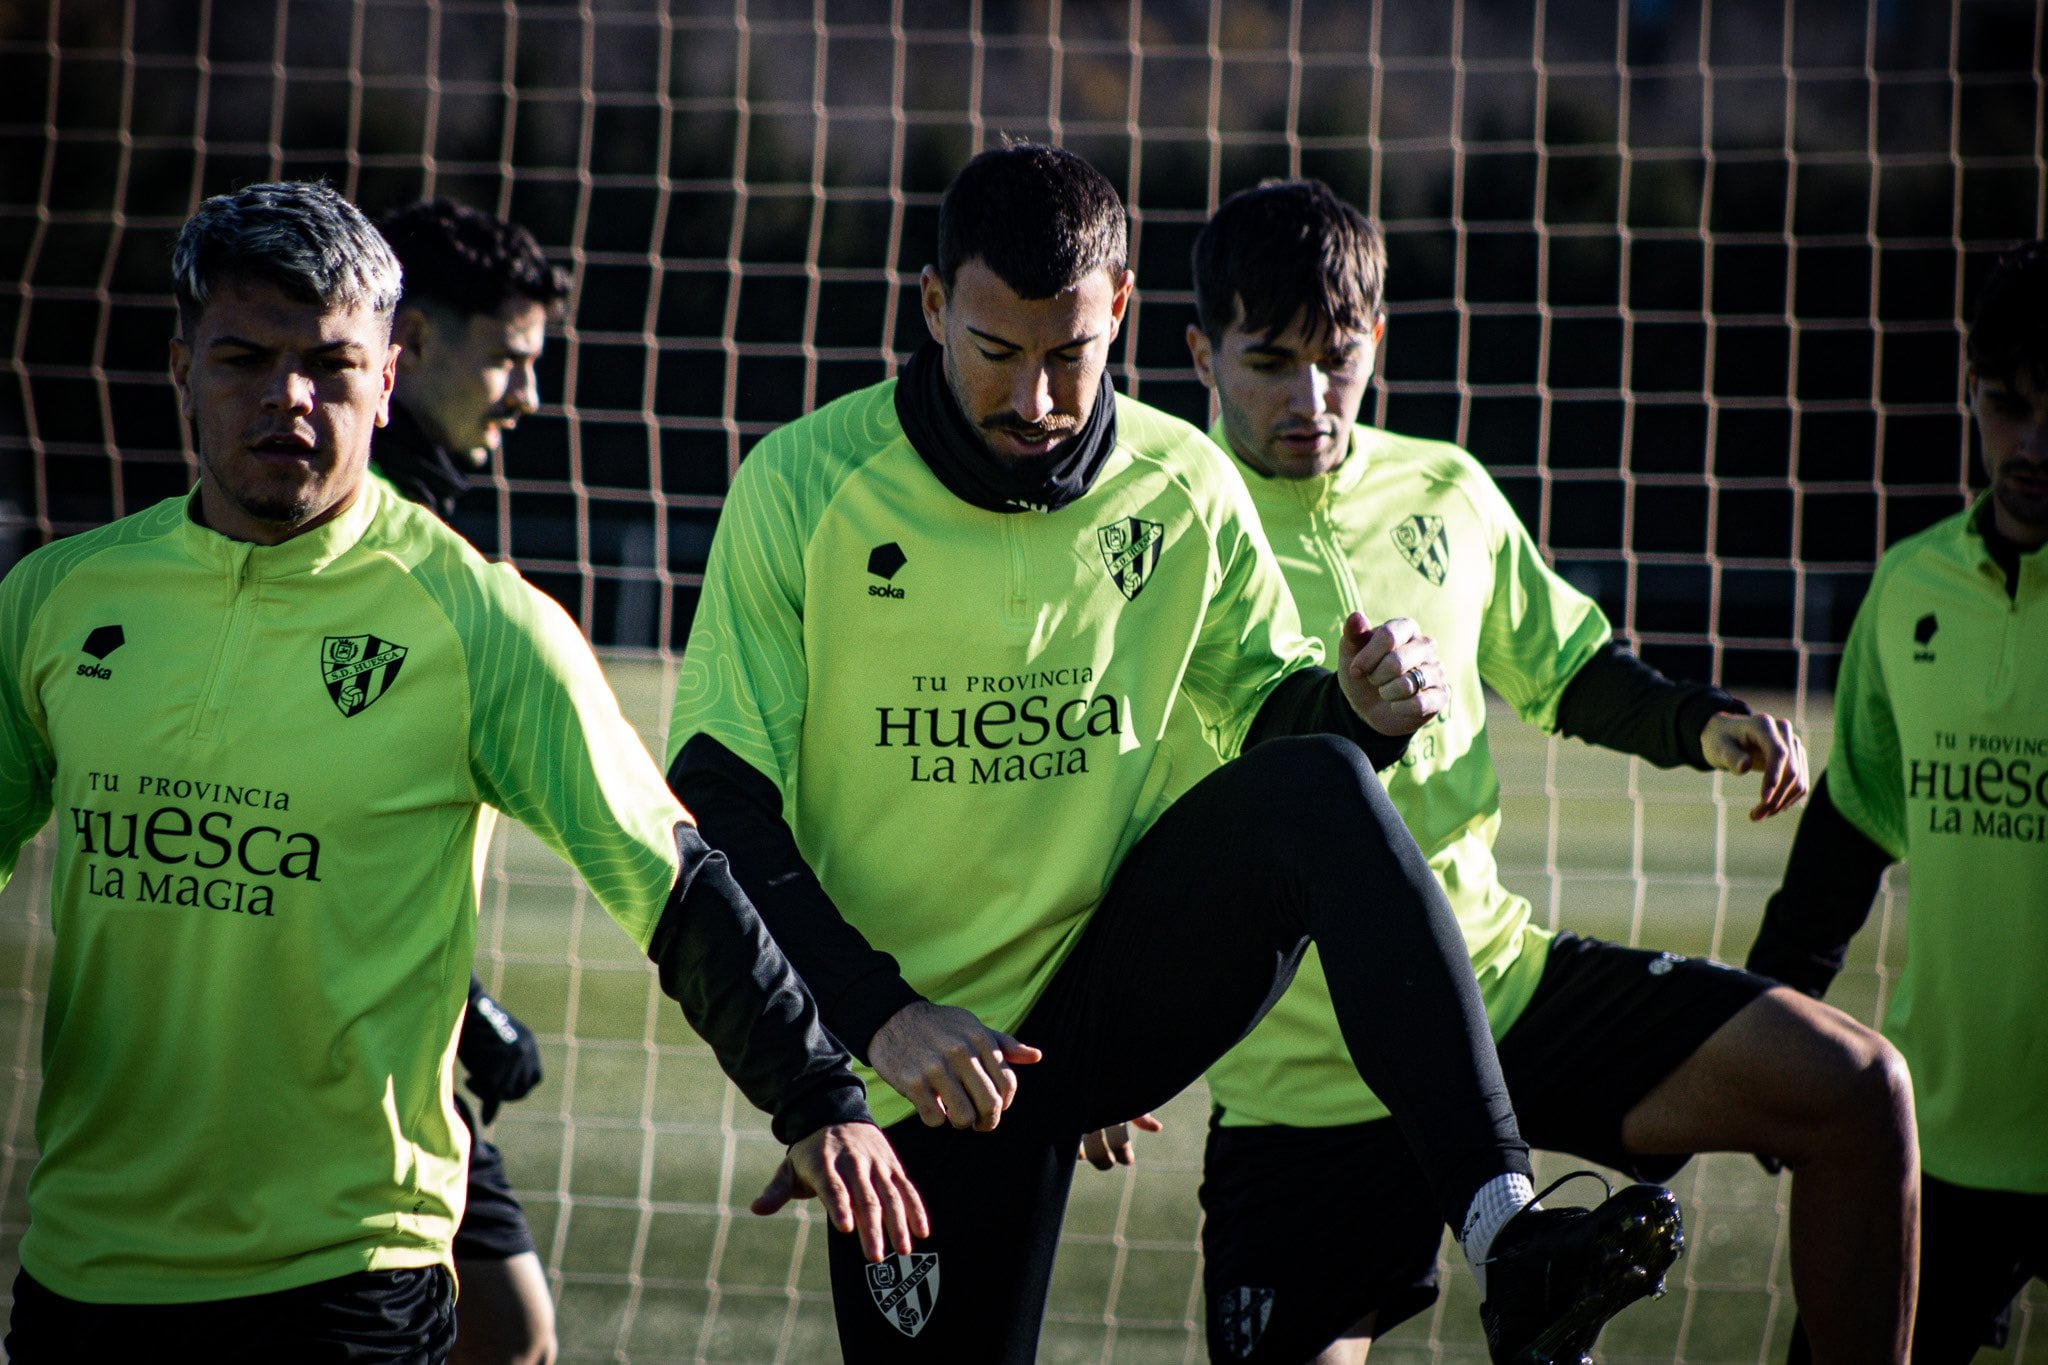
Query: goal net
[[1687, 275]]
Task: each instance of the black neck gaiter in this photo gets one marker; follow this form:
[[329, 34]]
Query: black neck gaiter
[[418, 466], [954, 450]]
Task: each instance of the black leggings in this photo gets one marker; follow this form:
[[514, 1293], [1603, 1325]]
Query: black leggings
[[1199, 933]]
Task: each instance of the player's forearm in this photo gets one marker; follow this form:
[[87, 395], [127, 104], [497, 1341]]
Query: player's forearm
[[719, 962], [1310, 701], [1831, 879], [858, 987], [1619, 702]]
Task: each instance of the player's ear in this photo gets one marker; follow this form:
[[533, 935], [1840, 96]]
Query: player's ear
[[387, 380], [181, 375], [412, 330], [931, 294], [1203, 354], [1120, 301]]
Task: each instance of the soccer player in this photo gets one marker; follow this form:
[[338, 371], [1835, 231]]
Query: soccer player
[[945, 625], [1941, 760], [479, 295], [471, 322], [269, 715], [1626, 1057]]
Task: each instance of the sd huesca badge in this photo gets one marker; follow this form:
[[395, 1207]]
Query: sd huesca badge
[[1130, 550], [358, 669], [1423, 544], [906, 1289]]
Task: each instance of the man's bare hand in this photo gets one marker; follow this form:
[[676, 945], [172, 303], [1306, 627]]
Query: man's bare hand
[[1391, 674], [1747, 744], [864, 1186], [1112, 1146], [949, 1064]]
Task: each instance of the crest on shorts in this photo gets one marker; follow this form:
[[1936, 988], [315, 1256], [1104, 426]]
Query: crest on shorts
[[1241, 1319], [1130, 549], [906, 1289], [358, 669], [1422, 542]]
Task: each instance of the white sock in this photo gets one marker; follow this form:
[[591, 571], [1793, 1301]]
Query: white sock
[[1498, 1200]]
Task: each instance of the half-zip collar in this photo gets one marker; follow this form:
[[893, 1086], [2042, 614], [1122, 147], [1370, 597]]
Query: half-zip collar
[[307, 553]]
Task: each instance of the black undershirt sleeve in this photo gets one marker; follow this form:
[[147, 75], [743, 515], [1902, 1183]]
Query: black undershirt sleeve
[[1831, 879], [1310, 701], [719, 962], [1619, 702], [858, 987]]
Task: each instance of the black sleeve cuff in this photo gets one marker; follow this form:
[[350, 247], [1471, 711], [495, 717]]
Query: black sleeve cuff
[[806, 1114], [1310, 701], [1618, 702]]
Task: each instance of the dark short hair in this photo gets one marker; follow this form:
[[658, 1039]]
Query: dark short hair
[[2009, 330], [298, 235], [1040, 217], [1283, 249], [468, 260]]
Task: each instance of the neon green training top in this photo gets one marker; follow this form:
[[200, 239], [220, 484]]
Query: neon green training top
[[1414, 528], [1941, 758], [962, 709], [268, 767]]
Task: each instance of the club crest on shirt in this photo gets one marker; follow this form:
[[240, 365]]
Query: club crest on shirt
[[1130, 550], [1241, 1318], [906, 1289], [1422, 542], [358, 669]]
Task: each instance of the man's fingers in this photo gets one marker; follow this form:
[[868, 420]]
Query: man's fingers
[[863, 1206], [961, 1108], [1146, 1123], [1023, 1054], [780, 1189], [903, 1210], [1095, 1149], [1365, 643]]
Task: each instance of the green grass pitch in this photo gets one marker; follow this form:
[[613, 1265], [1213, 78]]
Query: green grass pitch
[[636, 1161]]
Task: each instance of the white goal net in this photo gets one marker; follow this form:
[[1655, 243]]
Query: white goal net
[[1687, 275]]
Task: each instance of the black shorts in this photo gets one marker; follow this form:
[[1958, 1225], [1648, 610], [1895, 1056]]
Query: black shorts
[[493, 1226], [397, 1317], [1606, 1024]]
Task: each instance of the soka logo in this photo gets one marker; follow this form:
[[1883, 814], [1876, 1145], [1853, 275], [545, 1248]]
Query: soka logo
[[1923, 636], [358, 669], [1130, 549], [1422, 542], [884, 562], [103, 641], [906, 1289]]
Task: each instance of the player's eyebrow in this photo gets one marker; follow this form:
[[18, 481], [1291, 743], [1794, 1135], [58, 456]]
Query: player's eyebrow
[[992, 339], [346, 344]]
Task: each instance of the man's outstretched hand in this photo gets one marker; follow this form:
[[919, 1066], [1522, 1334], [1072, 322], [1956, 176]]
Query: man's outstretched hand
[[852, 1167], [1759, 743], [949, 1064]]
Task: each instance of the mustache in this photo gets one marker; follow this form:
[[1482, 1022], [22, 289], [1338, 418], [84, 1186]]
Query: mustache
[[1031, 431]]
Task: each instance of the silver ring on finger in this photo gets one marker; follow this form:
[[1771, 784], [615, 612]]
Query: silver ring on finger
[[1414, 676]]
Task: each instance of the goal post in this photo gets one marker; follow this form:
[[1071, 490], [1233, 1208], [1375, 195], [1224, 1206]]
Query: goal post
[[1688, 276]]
